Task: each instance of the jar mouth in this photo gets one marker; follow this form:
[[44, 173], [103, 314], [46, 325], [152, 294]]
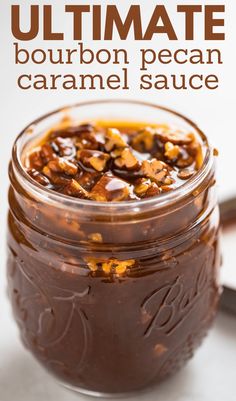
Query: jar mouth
[[60, 200]]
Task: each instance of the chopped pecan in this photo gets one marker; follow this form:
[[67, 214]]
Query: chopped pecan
[[171, 151], [153, 190], [93, 158], [109, 164], [88, 179], [122, 265], [92, 264], [99, 162], [114, 139], [55, 178], [185, 174], [87, 140], [73, 188], [72, 131], [47, 153], [142, 186], [95, 237], [144, 140], [40, 178], [126, 159], [34, 160], [184, 158], [166, 188], [64, 147], [157, 171], [145, 188], [168, 181], [116, 153], [110, 188], [192, 153], [61, 165], [109, 265], [175, 136]]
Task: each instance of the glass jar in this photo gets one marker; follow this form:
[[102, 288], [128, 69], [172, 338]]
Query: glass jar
[[139, 318]]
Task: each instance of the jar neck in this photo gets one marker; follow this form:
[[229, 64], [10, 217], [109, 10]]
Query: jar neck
[[83, 221], [142, 223]]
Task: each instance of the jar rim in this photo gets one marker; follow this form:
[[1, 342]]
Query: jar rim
[[107, 208]]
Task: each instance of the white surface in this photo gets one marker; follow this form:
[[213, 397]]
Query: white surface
[[212, 373], [229, 257]]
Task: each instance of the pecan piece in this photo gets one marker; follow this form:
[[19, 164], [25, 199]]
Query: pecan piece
[[126, 159], [152, 190], [110, 265], [73, 188], [40, 178], [64, 147], [171, 151], [184, 158], [93, 158], [177, 137], [61, 165], [88, 140], [34, 160], [71, 131], [142, 186], [144, 140], [47, 153], [55, 178], [110, 189], [185, 174], [114, 139], [122, 265], [87, 179], [146, 188], [92, 263], [157, 171], [95, 237]]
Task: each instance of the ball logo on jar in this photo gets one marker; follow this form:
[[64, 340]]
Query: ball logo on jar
[[166, 308]]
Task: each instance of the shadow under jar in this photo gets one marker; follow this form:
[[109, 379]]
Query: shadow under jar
[[107, 332]]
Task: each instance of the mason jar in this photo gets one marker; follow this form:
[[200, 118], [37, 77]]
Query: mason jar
[[117, 330]]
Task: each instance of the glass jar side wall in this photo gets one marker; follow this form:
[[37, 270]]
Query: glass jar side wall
[[74, 313], [112, 298]]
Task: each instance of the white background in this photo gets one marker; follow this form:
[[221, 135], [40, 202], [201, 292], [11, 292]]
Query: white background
[[211, 375]]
